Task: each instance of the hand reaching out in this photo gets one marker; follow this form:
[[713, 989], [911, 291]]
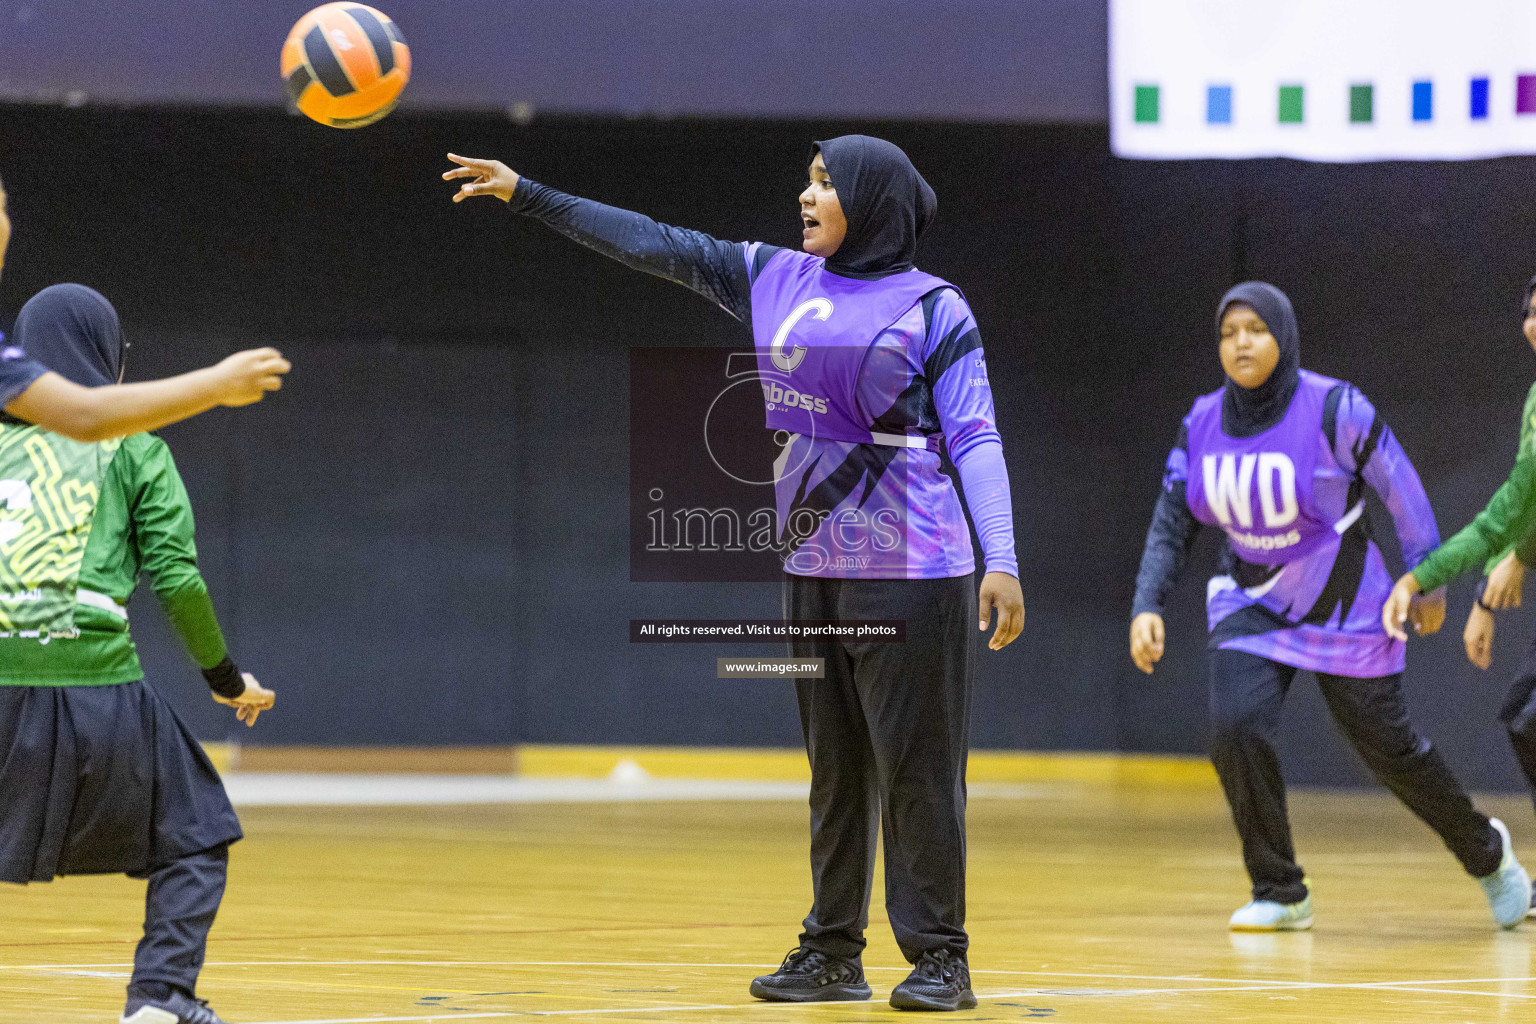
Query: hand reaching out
[[246, 377], [489, 178]]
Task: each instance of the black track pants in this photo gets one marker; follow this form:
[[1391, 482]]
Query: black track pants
[[1246, 694], [179, 908], [1519, 716], [886, 732]]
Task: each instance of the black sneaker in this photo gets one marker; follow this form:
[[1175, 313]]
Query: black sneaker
[[810, 976], [174, 1009], [940, 980]]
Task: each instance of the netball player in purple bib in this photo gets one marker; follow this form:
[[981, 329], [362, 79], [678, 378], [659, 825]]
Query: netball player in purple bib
[[871, 367], [1279, 459]]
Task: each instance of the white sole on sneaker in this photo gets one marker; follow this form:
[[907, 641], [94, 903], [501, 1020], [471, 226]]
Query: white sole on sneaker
[[1300, 925], [150, 1015]]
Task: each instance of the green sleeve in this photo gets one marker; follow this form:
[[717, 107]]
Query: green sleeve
[[1509, 517], [1524, 548], [162, 517]]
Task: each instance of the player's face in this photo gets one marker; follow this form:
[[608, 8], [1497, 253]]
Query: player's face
[[1530, 321], [821, 214], [1249, 353], [5, 228]]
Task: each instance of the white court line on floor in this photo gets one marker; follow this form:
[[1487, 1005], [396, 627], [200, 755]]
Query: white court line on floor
[[1194, 984], [290, 789], [759, 1004], [296, 789], [902, 969], [1090, 976]]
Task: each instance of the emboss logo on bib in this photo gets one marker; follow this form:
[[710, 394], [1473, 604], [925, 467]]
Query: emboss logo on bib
[[789, 398], [1229, 484]]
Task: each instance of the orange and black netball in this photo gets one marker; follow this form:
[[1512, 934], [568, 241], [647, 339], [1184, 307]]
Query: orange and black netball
[[345, 65]]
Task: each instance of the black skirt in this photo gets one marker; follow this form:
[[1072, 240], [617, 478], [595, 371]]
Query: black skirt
[[102, 780]]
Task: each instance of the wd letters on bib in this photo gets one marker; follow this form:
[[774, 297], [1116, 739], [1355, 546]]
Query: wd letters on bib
[[1282, 469]]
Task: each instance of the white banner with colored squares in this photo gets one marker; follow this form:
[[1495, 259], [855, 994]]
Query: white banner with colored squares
[[1334, 80]]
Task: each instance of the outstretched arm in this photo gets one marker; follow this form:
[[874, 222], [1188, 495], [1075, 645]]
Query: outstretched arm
[[95, 414], [715, 269]]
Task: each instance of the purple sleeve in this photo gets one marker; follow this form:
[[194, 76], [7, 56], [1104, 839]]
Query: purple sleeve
[[17, 372], [1366, 446], [956, 368]]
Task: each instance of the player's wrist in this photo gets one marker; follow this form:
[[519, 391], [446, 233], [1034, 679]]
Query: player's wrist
[[224, 679]]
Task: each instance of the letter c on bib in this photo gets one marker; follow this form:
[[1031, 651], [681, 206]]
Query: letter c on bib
[[822, 309]]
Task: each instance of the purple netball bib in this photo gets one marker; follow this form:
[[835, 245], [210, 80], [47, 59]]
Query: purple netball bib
[[1259, 489], [812, 330]]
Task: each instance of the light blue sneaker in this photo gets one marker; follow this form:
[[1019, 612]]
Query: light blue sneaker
[[1509, 888], [1269, 916]]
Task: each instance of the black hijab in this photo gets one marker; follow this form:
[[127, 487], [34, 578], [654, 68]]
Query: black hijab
[[887, 203], [1249, 411], [1525, 303], [73, 330]]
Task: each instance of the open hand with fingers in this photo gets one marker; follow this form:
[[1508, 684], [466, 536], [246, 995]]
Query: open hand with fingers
[[487, 178], [252, 702]]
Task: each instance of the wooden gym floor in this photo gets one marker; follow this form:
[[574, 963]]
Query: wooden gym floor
[[1087, 904]]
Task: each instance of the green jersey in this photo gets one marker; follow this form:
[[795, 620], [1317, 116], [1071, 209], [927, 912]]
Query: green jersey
[[79, 523], [1507, 524]]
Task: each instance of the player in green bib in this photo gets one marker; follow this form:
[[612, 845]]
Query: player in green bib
[[97, 773], [1501, 539]]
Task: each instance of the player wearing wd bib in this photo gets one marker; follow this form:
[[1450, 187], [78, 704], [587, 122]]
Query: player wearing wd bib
[[1305, 579], [1278, 460], [869, 368], [97, 773]]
